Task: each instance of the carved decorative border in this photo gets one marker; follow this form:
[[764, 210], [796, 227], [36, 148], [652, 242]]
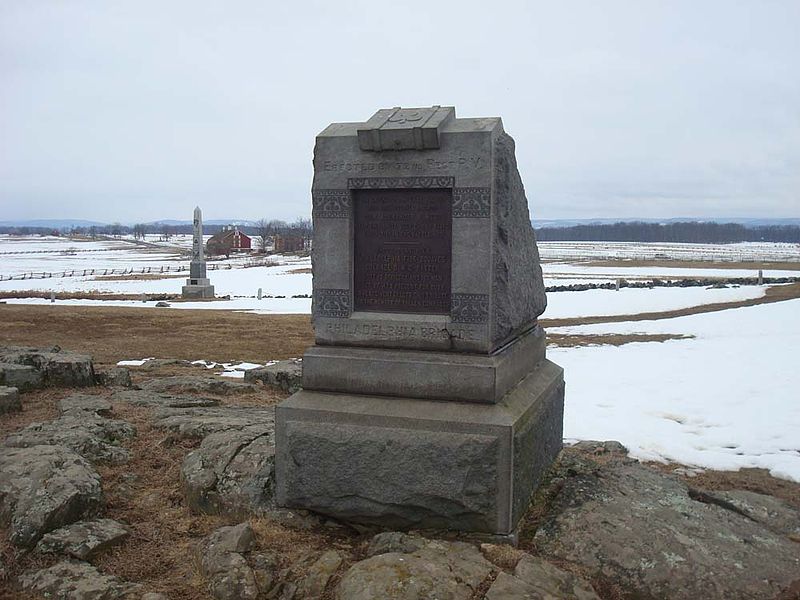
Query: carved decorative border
[[332, 303], [469, 308], [330, 204], [356, 183], [472, 202]]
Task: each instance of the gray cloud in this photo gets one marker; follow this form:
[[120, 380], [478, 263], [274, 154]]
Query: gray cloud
[[139, 110]]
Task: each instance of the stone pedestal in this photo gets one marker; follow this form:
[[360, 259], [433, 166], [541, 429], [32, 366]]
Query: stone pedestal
[[199, 288], [411, 463], [427, 400]]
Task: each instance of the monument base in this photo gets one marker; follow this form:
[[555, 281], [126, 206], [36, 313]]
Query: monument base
[[408, 463], [198, 288], [423, 374]]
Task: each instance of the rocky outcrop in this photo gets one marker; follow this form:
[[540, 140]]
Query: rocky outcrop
[[156, 400], [75, 580], [223, 560], [43, 488], [650, 535], [536, 578], [114, 377], [83, 539], [9, 400], [197, 423], [232, 472], [442, 570], [22, 377], [58, 368], [198, 385], [286, 375], [93, 437]]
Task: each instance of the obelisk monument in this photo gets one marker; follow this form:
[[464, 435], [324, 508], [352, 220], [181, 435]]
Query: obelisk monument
[[198, 285]]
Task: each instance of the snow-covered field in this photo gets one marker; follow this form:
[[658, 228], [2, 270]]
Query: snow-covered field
[[726, 398]]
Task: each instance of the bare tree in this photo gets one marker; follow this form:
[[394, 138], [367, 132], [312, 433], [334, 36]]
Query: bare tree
[[304, 228], [263, 232]]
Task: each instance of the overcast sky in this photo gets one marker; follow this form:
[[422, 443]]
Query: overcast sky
[[138, 110]]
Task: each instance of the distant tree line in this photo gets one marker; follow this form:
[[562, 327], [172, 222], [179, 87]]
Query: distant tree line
[[262, 230], [688, 232]]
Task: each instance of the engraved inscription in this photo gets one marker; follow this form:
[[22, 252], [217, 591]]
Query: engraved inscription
[[330, 204], [462, 163], [472, 202], [332, 303], [470, 308], [402, 332], [402, 250]]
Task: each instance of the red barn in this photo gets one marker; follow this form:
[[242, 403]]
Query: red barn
[[229, 240]]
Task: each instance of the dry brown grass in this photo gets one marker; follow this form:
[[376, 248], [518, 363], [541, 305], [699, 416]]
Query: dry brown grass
[[113, 334], [777, 293], [609, 339]]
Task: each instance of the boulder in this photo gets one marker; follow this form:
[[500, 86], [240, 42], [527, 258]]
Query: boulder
[[395, 541], [43, 488], [22, 377], [9, 400], [221, 561], [312, 586], [286, 375], [93, 437], [651, 536], [83, 539], [153, 399], [232, 472], [442, 570], [75, 580], [59, 368], [198, 385], [114, 377]]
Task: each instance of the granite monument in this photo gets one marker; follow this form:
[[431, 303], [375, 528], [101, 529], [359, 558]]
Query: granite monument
[[427, 398], [198, 285]]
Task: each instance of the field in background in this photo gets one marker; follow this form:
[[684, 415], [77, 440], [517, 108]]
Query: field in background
[[703, 375]]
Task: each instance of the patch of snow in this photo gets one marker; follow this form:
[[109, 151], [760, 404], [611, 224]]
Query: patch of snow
[[133, 363]]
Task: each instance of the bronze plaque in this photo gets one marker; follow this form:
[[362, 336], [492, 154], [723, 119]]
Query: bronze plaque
[[403, 248]]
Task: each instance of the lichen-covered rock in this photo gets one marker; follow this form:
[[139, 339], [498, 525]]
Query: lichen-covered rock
[[395, 541], [59, 368], [93, 437], [773, 513], [518, 287], [83, 539], [232, 472], [198, 385], [286, 375], [649, 534], [441, 570], [221, 561], [9, 400], [197, 423], [78, 404], [74, 580], [536, 578], [43, 488], [312, 586], [22, 377], [114, 377]]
